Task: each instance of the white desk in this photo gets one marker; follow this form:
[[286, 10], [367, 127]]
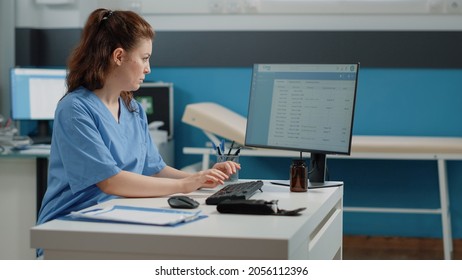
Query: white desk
[[439, 149], [316, 234]]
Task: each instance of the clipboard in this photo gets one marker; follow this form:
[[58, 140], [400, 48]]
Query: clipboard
[[137, 215]]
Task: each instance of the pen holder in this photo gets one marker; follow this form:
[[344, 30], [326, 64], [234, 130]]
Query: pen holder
[[222, 158]]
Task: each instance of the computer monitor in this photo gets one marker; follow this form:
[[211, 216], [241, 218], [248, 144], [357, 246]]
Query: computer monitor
[[157, 100], [35, 93], [303, 107]]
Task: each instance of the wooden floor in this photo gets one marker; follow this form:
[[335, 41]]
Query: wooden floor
[[396, 248]]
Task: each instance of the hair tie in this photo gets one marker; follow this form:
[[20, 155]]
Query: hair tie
[[107, 15]]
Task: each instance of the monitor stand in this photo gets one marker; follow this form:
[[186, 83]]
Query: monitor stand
[[325, 184], [317, 172], [43, 133]]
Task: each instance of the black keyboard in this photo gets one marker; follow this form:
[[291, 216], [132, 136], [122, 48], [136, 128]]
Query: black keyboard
[[235, 191]]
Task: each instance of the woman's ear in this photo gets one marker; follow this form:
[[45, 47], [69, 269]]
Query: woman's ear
[[117, 56]]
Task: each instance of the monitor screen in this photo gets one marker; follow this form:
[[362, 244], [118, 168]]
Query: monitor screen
[[302, 107], [35, 92]]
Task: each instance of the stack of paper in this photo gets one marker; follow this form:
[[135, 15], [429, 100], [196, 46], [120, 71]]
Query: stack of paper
[[138, 215]]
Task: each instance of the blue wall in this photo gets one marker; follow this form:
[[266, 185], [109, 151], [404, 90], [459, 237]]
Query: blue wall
[[410, 102]]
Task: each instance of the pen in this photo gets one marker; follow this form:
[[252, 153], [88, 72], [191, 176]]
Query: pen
[[280, 184], [219, 151], [230, 148], [237, 151], [222, 146], [322, 186]]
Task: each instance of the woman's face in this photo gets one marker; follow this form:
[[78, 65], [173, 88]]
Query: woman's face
[[134, 66]]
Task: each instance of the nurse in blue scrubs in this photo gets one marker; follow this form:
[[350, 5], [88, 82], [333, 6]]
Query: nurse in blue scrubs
[[101, 147]]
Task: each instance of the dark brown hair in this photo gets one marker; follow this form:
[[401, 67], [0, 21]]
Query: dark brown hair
[[104, 31]]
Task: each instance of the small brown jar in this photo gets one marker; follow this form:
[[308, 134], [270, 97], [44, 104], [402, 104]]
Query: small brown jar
[[298, 176]]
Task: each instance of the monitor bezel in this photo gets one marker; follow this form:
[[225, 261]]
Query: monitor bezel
[[13, 73], [308, 150], [152, 89]]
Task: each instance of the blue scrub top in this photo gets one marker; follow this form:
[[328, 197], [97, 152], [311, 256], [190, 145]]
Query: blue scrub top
[[89, 146]]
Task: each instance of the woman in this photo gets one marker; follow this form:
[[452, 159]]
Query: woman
[[101, 147]]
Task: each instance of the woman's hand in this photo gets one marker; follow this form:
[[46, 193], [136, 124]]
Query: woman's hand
[[210, 178], [227, 167]]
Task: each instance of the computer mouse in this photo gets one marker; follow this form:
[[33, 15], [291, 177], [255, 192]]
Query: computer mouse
[[182, 201]]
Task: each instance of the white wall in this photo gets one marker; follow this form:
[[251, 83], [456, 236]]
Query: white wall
[[270, 15], [33, 14], [6, 53]]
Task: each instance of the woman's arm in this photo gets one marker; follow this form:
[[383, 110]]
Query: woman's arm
[[129, 184], [173, 173], [168, 181], [227, 167]]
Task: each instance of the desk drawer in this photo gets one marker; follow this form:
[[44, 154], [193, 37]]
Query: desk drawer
[[327, 240]]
